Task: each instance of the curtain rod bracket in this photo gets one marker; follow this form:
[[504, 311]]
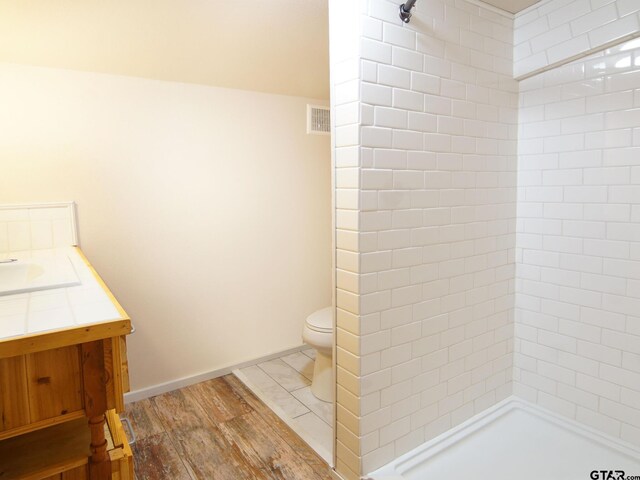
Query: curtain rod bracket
[[405, 11]]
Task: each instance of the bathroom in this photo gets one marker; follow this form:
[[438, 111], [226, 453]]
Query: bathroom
[[473, 217]]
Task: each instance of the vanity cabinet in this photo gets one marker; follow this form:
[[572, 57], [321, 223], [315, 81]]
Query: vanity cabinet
[[60, 394]]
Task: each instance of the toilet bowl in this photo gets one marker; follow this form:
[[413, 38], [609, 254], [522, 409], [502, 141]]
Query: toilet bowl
[[318, 332]]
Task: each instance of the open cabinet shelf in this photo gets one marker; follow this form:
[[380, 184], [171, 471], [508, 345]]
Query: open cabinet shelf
[[61, 452], [46, 453]]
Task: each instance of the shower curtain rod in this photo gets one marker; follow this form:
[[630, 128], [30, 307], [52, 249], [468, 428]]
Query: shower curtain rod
[[405, 10]]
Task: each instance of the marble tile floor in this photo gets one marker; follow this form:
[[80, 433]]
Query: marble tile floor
[[284, 384]]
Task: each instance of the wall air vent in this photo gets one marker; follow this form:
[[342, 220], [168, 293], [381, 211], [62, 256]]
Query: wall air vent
[[318, 120]]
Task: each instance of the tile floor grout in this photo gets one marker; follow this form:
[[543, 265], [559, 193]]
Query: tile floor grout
[[296, 390], [274, 380]]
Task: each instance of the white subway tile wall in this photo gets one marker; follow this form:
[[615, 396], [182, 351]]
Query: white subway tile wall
[[36, 227], [437, 205], [345, 68], [577, 347], [551, 32], [430, 165]]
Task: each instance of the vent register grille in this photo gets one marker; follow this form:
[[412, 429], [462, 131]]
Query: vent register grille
[[318, 120]]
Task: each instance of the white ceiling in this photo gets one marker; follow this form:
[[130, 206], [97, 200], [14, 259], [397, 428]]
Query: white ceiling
[[513, 6], [275, 46]]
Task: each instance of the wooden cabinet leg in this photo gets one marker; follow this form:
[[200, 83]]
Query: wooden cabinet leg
[[95, 405], [99, 464]]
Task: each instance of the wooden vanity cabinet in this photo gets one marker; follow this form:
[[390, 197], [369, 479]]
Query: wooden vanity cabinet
[[60, 395]]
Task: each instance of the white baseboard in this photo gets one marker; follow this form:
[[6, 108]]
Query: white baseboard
[[154, 390]]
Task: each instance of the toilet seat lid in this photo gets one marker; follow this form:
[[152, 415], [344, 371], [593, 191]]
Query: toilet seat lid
[[321, 320]]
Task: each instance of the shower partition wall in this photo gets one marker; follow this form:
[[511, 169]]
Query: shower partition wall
[[426, 156], [426, 198]]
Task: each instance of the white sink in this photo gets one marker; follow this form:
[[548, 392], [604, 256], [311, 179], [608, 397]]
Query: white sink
[[23, 276]]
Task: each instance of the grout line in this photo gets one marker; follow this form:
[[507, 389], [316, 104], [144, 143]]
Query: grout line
[[290, 392], [316, 445], [301, 372], [309, 407], [323, 420], [275, 380], [278, 384]]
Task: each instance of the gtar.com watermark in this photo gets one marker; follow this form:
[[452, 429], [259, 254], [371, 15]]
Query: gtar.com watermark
[[612, 475]]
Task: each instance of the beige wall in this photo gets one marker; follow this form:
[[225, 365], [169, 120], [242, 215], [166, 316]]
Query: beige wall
[[206, 210]]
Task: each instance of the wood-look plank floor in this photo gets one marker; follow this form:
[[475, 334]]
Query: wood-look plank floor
[[217, 430]]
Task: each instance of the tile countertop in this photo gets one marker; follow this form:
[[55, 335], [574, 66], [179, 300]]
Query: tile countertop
[[58, 309]]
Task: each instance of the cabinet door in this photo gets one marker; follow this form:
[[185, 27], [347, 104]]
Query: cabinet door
[[14, 396], [55, 382]]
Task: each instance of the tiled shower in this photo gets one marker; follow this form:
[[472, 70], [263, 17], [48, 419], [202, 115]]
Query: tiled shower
[[578, 272], [487, 228]]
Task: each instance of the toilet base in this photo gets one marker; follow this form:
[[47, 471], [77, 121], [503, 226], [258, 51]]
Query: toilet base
[[322, 384]]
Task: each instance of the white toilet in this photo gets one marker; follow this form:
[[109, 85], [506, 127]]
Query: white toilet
[[318, 332]]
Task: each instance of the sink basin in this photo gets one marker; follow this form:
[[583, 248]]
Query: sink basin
[[33, 275]]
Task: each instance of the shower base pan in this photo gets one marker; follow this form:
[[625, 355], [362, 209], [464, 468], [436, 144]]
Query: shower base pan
[[517, 440]]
